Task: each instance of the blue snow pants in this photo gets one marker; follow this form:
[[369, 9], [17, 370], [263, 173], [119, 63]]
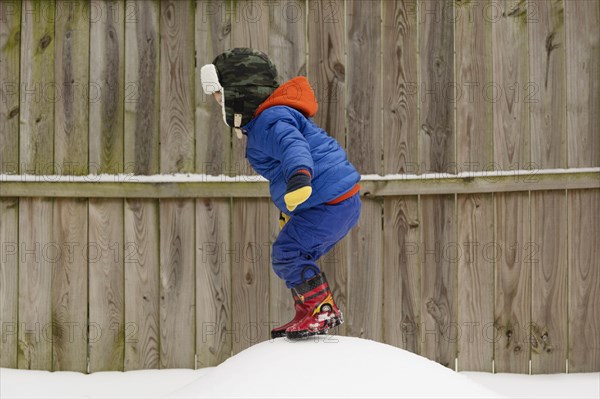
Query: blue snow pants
[[308, 235]]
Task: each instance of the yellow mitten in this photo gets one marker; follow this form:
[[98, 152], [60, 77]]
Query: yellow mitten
[[283, 219], [298, 189]]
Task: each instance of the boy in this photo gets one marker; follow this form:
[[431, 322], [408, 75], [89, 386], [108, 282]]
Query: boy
[[311, 181]]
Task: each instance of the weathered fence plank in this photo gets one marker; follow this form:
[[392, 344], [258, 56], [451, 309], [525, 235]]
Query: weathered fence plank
[[70, 272], [141, 253], [10, 51], [549, 282], [106, 285], [177, 280], [69, 284], [436, 61], [510, 91], [548, 209], [547, 74], [213, 137], [584, 280], [327, 75], [439, 254], [142, 87], [213, 281], [327, 65], [106, 234], [107, 86], [475, 215], [364, 85], [512, 251], [71, 75], [402, 273], [10, 34], [177, 217], [176, 86], [35, 280], [364, 316], [287, 49], [281, 304], [365, 148], [37, 76], [287, 38], [474, 146], [250, 28], [9, 281], [582, 41], [400, 94], [250, 269], [141, 157]]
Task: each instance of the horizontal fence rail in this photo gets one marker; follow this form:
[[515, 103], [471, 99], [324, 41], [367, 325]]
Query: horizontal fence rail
[[194, 185]]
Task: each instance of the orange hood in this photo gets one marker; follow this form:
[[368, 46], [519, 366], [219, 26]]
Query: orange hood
[[296, 93]]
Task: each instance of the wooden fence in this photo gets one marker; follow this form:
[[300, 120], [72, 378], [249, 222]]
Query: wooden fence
[[485, 271]]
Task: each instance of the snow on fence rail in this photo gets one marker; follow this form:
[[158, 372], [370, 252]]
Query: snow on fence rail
[[199, 185]]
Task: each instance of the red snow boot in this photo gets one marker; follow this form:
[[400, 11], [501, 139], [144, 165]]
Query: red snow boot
[[316, 311]]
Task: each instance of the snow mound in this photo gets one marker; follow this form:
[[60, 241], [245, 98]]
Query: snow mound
[[331, 366]]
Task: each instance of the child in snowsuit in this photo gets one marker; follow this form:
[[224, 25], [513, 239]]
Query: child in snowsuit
[[311, 181]]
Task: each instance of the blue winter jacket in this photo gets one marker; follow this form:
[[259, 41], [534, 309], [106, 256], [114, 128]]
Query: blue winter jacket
[[283, 140]]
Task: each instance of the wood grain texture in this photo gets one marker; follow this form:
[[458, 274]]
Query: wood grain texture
[[213, 281], [513, 254], [142, 91], [436, 64], [106, 285], [287, 38], [141, 152], [288, 50], [400, 94], [475, 213], [35, 281], [364, 86], [474, 140], [547, 73], [439, 254], [10, 51], [107, 86], [141, 254], [475, 216], [401, 273], [584, 280], [213, 136], [549, 282], [582, 42], [335, 266], [177, 280], [176, 86], [71, 76], [69, 285], [9, 281], [364, 311], [36, 130], [281, 303], [250, 28], [327, 65], [511, 92], [250, 269]]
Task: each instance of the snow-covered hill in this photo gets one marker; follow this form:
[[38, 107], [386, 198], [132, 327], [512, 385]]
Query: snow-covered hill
[[324, 367]]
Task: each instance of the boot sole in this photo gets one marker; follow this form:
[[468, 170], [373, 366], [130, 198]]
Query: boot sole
[[278, 334], [308, 333]]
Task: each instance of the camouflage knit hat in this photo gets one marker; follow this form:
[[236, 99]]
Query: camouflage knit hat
[[247, 77]]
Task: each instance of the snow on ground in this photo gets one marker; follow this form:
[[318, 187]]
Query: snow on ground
[[325, 366]]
